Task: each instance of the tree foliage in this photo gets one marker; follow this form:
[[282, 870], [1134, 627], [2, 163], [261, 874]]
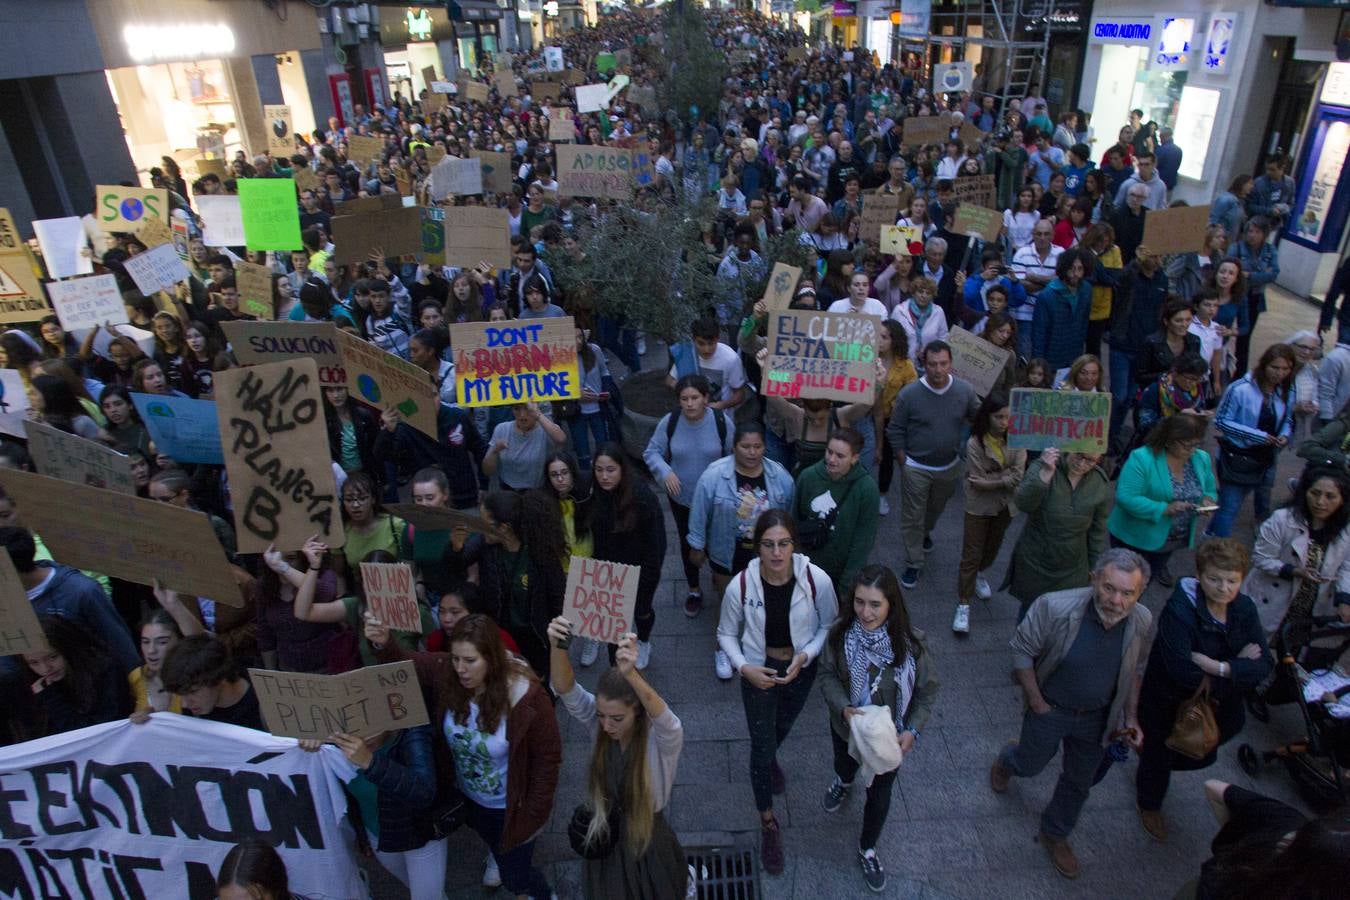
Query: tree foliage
[[694, 68]]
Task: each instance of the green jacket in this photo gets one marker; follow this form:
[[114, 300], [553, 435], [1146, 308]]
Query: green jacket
[[1142, 495], [1328, 446], [855, 526], [1064, 533], [835, 687]]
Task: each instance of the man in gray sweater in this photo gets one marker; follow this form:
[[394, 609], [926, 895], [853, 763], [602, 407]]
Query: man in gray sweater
[[925, 430]]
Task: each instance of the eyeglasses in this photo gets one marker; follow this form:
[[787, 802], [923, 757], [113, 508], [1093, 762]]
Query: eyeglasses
[[776, 545], [356, 499]]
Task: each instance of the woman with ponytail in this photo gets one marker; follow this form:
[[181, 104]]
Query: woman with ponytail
[[629, 848]]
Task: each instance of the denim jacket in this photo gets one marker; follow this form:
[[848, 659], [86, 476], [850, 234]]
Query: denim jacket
[[1262, 267], [712, 517]]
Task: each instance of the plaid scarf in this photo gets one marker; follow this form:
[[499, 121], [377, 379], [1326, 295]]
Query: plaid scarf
[[864, 649]]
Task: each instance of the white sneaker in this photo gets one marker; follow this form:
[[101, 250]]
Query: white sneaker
[[961, 621], [590, 651], [644, 654], [492, 878], [723, 666], [885, 507], [982, 589]]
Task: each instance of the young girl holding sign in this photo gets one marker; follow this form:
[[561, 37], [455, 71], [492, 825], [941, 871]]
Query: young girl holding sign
[[630, 850]]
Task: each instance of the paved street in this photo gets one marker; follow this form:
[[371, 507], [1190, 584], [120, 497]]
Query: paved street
[[948, 835]]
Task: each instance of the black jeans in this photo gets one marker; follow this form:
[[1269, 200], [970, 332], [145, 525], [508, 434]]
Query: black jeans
[[681, 514], [885, 464], [878, 804], [769, 716]]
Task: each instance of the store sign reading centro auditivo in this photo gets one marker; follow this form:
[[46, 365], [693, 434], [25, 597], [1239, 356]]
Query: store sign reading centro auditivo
[[1121, 31]]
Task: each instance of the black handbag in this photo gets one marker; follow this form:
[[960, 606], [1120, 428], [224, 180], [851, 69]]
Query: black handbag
[[1244, 466], [814, 532], [581, 823], [450, 814]]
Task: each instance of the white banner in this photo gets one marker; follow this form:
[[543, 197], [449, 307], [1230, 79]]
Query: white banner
[[86, 302], [156, 269], [122, 810], [64, 248], [222, 220]]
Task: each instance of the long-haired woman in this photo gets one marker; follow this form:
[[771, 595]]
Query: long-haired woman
[[160, 631], [497, 741], [58, 406], [125, 427], [520, 571], [628, 528], [897, 368], [874, 657], [74, 679], [1255, 420], [993, 472], [57, 343], [632, 770], [774, 620]]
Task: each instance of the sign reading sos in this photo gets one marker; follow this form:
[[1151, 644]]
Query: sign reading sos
[[127, 209]]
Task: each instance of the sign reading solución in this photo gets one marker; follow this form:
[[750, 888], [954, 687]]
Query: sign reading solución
[[820, 355], [515, 362]]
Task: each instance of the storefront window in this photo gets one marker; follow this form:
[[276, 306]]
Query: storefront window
[[182, 109], [1194, 124], [1158, 93]]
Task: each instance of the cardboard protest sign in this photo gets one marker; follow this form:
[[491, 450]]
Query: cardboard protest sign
[[20, 631], [475, 234], [70, 457], [1180, 229], [125, 209], [545, 90], [259, 343], [155, 233], [976, 360], [605, 61], [271, 216], [553, 59], [363, 149], [560, 124], [222, 220], [125, 536], [514, 362], [504, 80], [210, 166], [275, 445], [592, 97], [617, 84], [65, 249], [878, 211], [473, 91], [594, 171], [900, 240], [145, 340], [280, 137], [1073, 421], [21, 297], [433, 235], [980, 220], [391, 595], [496, 170], [367, 204], [395, 231], [797, 54], [820, 355], [642, 167], [428, 75], [156, 269], [573, 77], [979, 190], [362, 702], [383, 380], [456, 176], [184, 428], [782, 285], [438, 518], [306, 179], [599, 598], [88, 301], [623, 57], [255, 289], [927, 129]]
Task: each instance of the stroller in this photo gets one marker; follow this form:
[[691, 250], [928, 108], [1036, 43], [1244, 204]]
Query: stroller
[[1307, 675]]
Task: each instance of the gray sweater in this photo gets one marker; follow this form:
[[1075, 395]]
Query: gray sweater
[[688, 452], [927, 426]]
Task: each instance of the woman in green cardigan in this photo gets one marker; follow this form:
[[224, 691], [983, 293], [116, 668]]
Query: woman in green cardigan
[[1164, 487]]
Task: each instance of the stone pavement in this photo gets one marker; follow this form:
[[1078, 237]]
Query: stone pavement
[[948, 835]]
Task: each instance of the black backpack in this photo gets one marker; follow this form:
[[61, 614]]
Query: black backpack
[[674, 419]]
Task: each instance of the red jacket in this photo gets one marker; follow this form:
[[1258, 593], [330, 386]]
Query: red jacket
[[534, 754]]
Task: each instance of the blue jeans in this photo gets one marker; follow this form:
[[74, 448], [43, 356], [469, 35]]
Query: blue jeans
[[1081, 735], [1231, 498], [583, 428], [519, 876], [868, 430], [1024, 342], [1122, 392]]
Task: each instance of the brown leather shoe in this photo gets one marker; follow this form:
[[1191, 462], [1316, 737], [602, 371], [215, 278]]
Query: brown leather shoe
[[1061, 855], [999, 777], [1154, 823]]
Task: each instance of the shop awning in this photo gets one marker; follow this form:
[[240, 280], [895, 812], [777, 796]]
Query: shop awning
[[474, 10]]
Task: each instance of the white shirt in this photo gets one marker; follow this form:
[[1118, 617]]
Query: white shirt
[[870, 307], [948, 167], [1210, 339], [723, 369], [1027, 261]]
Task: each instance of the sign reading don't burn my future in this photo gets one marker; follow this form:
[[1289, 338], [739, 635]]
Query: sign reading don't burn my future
[[820, 355], [498, 363]]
